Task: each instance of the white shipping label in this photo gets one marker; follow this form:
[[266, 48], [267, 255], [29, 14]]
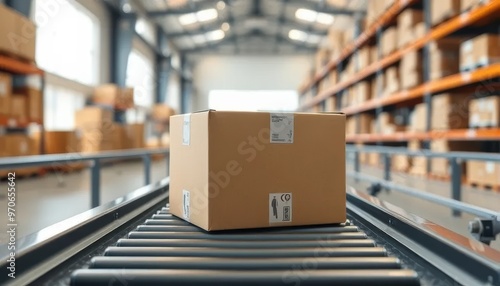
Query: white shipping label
[[490, 167], [186, 130], [281, 128], [280, 207], [186, 211]]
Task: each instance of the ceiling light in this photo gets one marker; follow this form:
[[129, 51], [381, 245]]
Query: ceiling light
[[199, 39], [200, 16], [215, 35], [140, 26], [206, 15], [297, 35], [225, 27], [126, 8], [221, 5], [313, 16]]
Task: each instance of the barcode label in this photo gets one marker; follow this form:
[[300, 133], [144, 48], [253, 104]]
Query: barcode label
[[281, 128], [186, 204]]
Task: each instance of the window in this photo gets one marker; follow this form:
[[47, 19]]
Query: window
[[253, 100], [141, 76], [67, 40], [62, 103]]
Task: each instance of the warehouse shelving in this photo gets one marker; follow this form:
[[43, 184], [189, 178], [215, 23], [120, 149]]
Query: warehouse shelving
[[17, 66], [446, 83], [477, 17], [456, 134], [388, 17]]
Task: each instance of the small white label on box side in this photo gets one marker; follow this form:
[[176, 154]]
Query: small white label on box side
[[490, 167], [186, 211], [280, 207], [467, 46], [474, 120], [186, 130], [281, 128]]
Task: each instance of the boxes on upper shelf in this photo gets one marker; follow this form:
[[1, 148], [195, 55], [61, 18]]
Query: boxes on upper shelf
[[17, 34], [479, 51], [364, 57], [418, 118], [485, 112], [443, 10], [135, 135], [410, 70], [5, 93], [450, 111], [391, 77], [388, 124], [113, 95], [95, 126], [389, 41], [330, 104], [407, 21], [19, 108], [418, 163], [215, 171], [335, 42], [444, 57]]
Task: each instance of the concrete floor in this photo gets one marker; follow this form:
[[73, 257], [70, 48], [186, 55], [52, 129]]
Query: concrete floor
[[44, 201]]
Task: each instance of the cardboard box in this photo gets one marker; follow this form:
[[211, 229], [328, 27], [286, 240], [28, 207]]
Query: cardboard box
[[485, 112], [365, 123], [19, 145], [483, 173], [361, 92], [34, 99], [467, 55], [119, 138], [330, 104], [350, 125], [388, 125], [450, 111], [410, 79], [96, 140], [58, 142], [441, 166], [219, 169], [400, 163], [17, 34], [162, 112], [466, 5], [444, 10], [419, 30], [419, 118], [19, 108], [389, 41], [406, 23], [442, 64], [485, 49], [135, 135], [90, 117], [335, 42], [391, 78], [364, 57], [373, 159], [5, 92], [113, 95], [411, 61]]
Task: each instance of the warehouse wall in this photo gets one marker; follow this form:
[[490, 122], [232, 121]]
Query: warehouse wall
[[247, 73]]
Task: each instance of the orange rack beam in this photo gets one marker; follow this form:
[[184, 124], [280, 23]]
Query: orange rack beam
[[15, 123], [16, 66], [384, 20], [458, 134], [479, 15], [446, 83]]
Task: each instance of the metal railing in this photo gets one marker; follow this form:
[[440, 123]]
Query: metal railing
[[492, 218], [61, 160]]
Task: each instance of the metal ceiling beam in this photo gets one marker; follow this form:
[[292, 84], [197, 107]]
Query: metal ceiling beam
[[217, 25], [318, 7], [186, 9]]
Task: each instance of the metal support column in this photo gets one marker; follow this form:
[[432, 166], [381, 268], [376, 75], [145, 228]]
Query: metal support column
[[185, 87], [24, 6], [162, 68], [456, 182], [167, 160], [95, 183], [147, 169], [387, 167], [357, 168]]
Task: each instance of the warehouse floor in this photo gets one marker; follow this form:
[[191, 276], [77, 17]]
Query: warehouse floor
[[49, 199]]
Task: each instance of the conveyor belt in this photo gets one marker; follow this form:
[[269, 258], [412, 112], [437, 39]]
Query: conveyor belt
[[135, 241], [166, 250]]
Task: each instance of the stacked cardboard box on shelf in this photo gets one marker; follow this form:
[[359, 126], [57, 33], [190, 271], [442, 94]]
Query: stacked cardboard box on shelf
[[330, 104], [58, 142], [444, 57], [335, 42], [410, 69], [364, 57], [388, 124], [134, 133], [389, 41], [14, 145], [443, 10], [479, 51], [375, 9], [33, 98], [419, 163], [418, 118], [17, 34], [391, 81], [361, 92], [466, 5], [19, 109], [450, 111], [365, 121], [407, 21], [485, 112], [113, 95], [483, 174], [96, 128], [440, 167], [5, 93]]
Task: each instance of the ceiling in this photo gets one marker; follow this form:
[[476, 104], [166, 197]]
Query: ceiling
[[250, 26]]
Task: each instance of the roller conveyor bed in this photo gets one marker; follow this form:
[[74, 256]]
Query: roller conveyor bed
[[136, 241]]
